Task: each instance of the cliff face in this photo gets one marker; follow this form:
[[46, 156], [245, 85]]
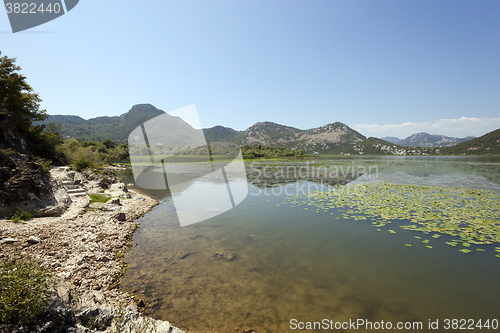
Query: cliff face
[[24, 184], [9, 135]]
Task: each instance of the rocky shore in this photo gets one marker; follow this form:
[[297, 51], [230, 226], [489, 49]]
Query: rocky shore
[[84, 246]]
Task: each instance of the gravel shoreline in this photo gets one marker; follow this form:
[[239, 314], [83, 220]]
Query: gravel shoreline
[[85, 247]]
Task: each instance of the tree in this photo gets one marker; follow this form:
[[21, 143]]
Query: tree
[[19, 108], [17, 96]]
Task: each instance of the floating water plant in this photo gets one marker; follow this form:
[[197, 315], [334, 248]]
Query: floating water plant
[[470, 216]]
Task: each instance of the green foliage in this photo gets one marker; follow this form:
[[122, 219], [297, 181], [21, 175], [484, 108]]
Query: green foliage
[[108, 143], [221, 133], [114, 128], [45, 164], [91, 154], [17, 96], [82, 163], [99, 198], [268, 151], [20, 107], [21, 215], [488, 144], [24, 289]]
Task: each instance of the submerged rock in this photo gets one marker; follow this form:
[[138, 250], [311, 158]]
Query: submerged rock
[[225, 255], [183, 254]]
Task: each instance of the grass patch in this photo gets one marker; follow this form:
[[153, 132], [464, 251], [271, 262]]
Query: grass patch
[[24, 289], [21, 215], [99, 198]]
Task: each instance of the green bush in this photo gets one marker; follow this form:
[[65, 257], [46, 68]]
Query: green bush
[[21, 215], [99, 198], [24, 289], [91, 154], [82, 163]]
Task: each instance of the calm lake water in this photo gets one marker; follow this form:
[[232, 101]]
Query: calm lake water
[[293, 263]]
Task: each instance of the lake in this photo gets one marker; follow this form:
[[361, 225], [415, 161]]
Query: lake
[[300, 258]]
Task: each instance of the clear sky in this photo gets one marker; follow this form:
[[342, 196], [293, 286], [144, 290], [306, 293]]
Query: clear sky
[[385, 68]]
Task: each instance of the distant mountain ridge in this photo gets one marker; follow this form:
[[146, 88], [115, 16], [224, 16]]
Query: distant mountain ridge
[[115, 128], [334, 138], [427, 140], [392, 139], [324, 139]]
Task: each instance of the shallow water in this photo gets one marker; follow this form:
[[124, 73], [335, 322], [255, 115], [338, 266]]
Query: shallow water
[[293, 263]]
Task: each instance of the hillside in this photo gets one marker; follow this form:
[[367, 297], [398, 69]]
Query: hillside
[[392, 139], [427, 140], [488, 144], [115, 128], [221, 133], [326, 139]]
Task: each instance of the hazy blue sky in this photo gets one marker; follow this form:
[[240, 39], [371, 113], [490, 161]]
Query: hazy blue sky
[[382, 67]]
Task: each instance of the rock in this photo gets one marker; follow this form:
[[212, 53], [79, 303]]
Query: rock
[[8, 240], [96, 317], [247, 329], [105, 206], [120, 217], [25, 185], [105, 258], [134, 321], [63, 291], [183, 254], [96, 205], [33, 240], [114, 201], [118, 190], [225, 255]]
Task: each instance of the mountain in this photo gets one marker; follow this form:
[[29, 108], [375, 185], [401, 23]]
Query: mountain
[[221, 133], [115, 128], [334, 138], [392, 139], [326, 139], [488, 144], [166, 130], [427, 140]]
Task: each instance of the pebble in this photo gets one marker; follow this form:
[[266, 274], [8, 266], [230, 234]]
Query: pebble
[[9, 240], [33, 240]]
